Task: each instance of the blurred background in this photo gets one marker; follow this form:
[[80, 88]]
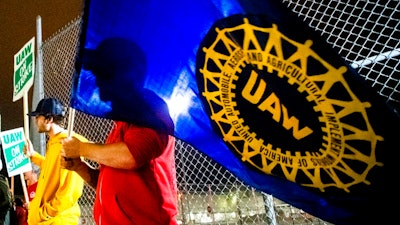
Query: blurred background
[[18, 26]]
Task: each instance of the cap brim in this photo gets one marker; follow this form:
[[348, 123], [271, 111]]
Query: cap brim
[[33, 114]]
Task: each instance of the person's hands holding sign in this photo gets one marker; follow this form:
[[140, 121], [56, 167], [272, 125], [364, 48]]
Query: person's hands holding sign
[[28, 149]]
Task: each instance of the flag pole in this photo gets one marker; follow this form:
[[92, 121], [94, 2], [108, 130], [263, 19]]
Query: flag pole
[[71, 118]]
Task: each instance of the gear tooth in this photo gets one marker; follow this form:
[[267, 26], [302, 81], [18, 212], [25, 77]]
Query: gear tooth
[[291, 80], [317, 108], [235, 77], [325, 130], [281, 75], [311, 98], [301, 88]]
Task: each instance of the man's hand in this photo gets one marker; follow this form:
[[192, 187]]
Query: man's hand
[[71, 147], [73, 164], [80, 166], [28, 148]]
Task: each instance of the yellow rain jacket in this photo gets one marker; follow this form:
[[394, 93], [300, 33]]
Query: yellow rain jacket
[[58, 189]]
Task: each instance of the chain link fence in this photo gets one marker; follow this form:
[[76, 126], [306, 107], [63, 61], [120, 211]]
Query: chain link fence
[[365, 33]]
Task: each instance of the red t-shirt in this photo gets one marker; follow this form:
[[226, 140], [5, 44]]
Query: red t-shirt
[[146, 195], [32, 191]]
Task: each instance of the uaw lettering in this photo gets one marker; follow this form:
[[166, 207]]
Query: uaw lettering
[[272, 104], [24, 67], [12, 137], [263, 87], [24, 54]]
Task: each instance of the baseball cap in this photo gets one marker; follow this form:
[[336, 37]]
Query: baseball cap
[[48, 106]]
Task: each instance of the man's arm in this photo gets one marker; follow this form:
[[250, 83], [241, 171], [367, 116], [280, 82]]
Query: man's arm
[[32, 154], [116, 155], [140, 145]]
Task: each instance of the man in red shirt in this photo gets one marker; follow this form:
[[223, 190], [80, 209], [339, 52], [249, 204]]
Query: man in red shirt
[[136, 184], [136, 180], [31, 183]]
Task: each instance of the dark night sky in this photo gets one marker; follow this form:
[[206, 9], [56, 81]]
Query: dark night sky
[[18, 26]]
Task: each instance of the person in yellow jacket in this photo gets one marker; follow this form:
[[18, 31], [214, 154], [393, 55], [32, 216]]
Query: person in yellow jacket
[[58, 189]]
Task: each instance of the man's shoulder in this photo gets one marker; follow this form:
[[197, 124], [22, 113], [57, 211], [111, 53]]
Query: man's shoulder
[[80, 137]]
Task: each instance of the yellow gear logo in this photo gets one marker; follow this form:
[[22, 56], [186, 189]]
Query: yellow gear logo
[[237, 83]]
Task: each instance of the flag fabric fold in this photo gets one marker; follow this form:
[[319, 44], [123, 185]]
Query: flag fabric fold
[[251, 86]]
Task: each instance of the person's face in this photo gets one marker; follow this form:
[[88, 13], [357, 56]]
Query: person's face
[[27, 175], [30, 177], [42, 124]]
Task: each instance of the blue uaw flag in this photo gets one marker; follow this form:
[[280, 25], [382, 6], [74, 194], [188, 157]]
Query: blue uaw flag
[[251, 86]]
